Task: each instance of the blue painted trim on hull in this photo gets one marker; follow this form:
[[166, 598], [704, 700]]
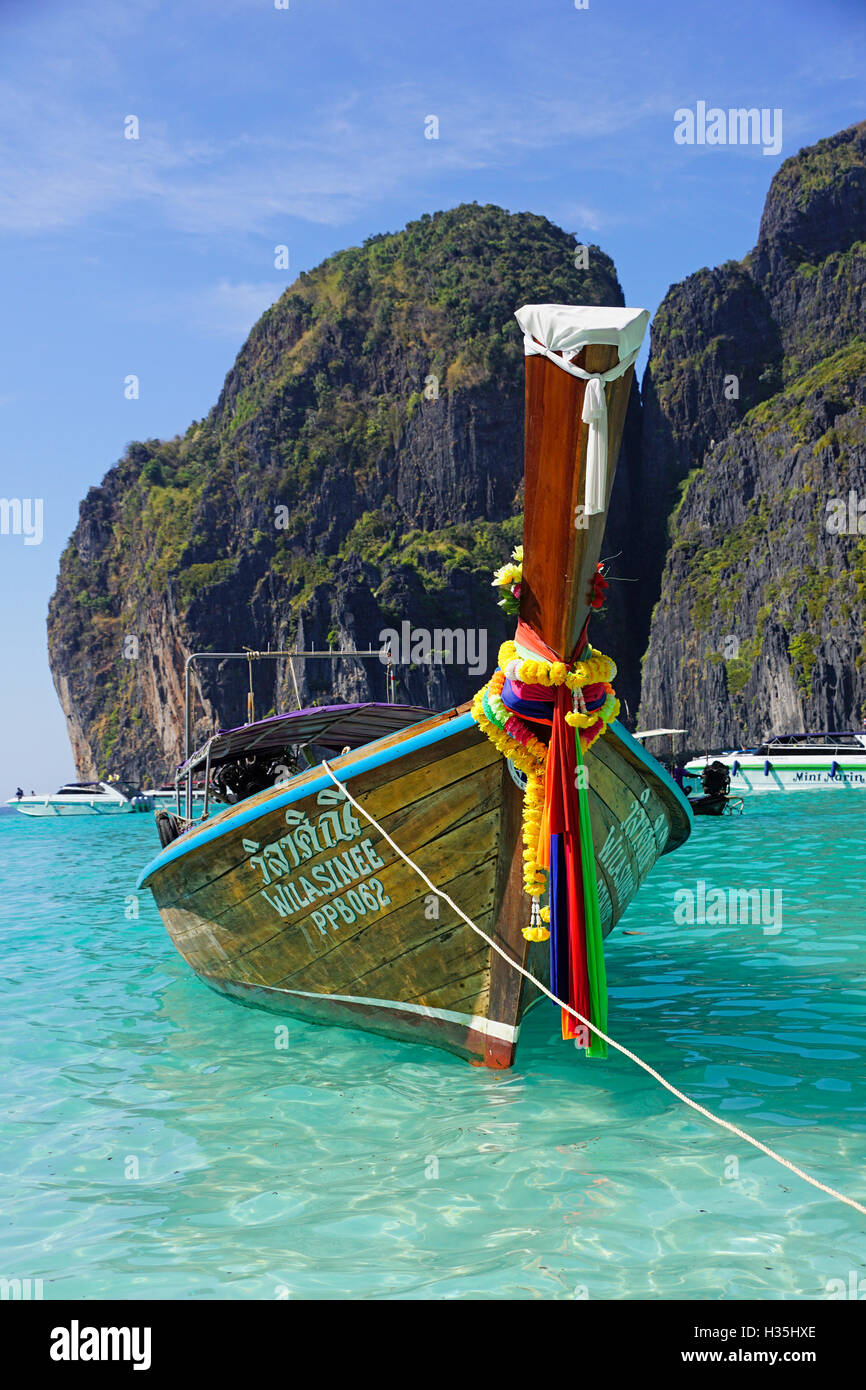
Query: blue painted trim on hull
[[654, 766], [456, 725], [233, 821]]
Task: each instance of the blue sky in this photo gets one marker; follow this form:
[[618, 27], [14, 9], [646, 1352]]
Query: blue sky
[[305, 127]]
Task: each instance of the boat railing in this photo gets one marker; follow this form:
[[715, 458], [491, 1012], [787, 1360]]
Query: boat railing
[[830, 744]]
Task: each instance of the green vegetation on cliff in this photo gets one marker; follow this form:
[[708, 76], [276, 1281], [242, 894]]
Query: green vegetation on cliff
[[362, 465]]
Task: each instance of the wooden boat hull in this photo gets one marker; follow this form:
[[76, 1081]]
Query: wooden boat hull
[[292, 902]]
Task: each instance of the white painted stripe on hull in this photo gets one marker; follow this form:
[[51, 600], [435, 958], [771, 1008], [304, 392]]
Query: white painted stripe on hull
[[486, 1026], [53, 809]]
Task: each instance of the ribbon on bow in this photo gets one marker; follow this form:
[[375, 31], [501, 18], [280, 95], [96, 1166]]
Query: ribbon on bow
[[594, 415]]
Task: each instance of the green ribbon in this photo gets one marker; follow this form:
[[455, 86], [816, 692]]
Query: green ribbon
[[594, 938], [489, 710]]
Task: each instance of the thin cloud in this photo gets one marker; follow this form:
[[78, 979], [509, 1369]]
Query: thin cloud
[[229, 311], [222, 310], [60, 167], [64, 160]]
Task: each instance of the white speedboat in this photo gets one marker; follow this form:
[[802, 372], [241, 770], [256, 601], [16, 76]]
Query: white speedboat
[[794, 762], [84, 799]]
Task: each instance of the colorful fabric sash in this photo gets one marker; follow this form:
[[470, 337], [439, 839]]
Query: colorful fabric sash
[[543, 714]]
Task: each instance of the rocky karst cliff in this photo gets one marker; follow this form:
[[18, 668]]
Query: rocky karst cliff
[[754, 446], [327, 497], [361, 468]]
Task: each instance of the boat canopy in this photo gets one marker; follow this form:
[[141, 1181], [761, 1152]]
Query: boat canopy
[[658, 733], [121, 789], [330, 726]]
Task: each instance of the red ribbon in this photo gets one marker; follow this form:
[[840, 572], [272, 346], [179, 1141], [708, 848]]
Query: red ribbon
[[564, 820]]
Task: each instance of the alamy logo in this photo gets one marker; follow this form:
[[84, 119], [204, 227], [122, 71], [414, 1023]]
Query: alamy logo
[[846, 516], [76, 1343], [729, 906], [22, 516], [444, 646], [20, 1289], [854, 1289], [737, 126]]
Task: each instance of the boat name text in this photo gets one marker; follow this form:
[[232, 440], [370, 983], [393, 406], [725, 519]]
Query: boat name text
[[645, 838], [345, 873]]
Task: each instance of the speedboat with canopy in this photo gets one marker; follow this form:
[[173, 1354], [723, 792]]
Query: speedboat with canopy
[[794, 762], [84, 799]]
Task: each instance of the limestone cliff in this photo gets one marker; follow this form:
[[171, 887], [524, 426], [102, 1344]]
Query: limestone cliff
[[361, 468], [753, 471]]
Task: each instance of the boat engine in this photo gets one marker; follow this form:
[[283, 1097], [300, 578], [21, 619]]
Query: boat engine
[[716, 779], [243, 777]]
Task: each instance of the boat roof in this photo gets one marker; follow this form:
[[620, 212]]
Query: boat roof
[[91, 787], [657, 733], [330, 726]]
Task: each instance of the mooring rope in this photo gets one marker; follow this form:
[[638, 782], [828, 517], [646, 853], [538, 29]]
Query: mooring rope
[[626, 1052]]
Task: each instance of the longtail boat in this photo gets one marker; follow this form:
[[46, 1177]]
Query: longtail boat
[[531, 807]]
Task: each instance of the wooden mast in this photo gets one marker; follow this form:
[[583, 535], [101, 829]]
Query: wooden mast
[[559, 557]]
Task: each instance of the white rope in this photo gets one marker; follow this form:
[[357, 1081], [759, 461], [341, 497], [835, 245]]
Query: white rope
[[680, 1095]]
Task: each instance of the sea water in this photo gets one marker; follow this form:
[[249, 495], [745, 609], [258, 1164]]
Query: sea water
[[159, 1141]]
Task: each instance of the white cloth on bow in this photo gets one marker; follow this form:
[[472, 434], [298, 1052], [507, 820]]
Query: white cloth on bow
[[551, 329]]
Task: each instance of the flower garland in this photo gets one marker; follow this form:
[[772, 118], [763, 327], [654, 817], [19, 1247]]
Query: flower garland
[[599, 589], [596, 670], [509, 578], [513, 738]]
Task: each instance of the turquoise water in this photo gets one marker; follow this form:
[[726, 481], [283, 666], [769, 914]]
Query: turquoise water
[[156, 1143]]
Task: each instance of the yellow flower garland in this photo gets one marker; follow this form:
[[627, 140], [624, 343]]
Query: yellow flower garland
[[530, 755], [597, 670]]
